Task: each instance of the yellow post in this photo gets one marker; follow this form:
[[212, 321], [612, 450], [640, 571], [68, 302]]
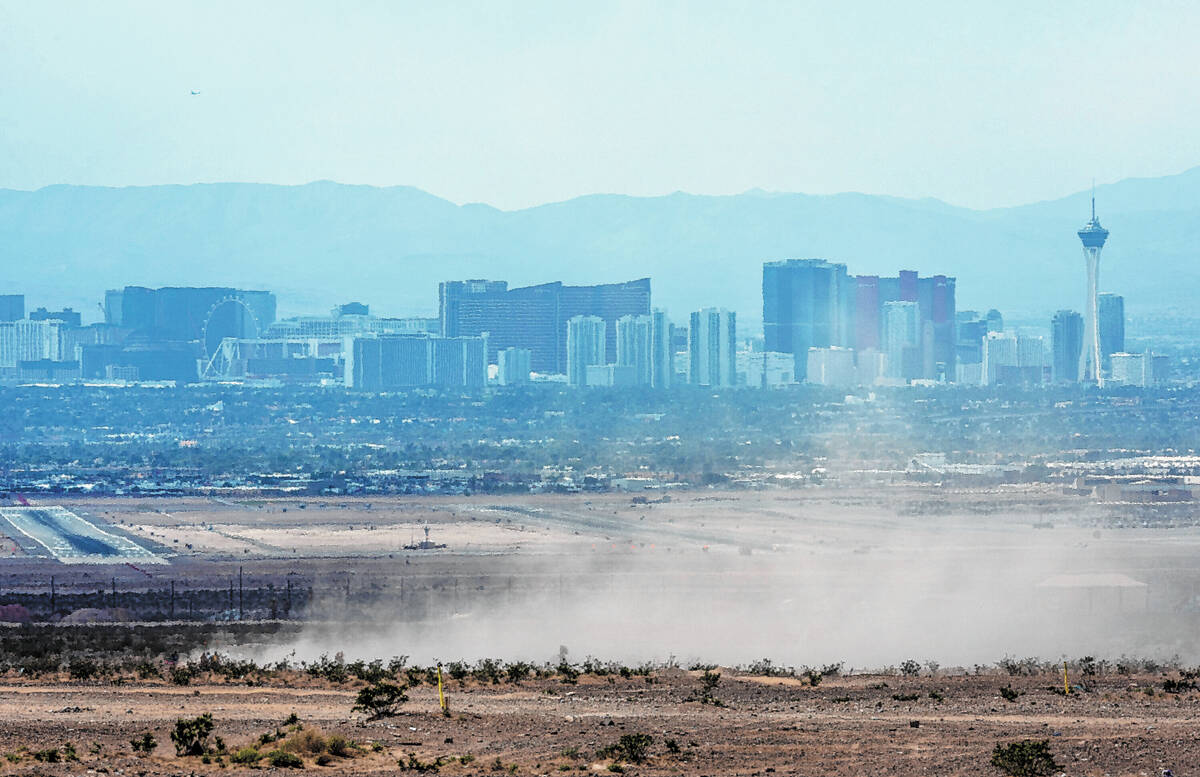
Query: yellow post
[[441, 693], [1066, 685]]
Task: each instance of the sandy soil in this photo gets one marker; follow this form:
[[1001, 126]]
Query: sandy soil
[[861, 725]]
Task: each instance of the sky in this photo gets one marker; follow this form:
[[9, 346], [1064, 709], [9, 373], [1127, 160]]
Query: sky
[[517, 104]]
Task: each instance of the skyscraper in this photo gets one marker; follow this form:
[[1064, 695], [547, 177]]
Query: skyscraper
[[1092, 236], [712, 348], [635, 347], [807, 303], [513, 366], [662, 351], [1112, 327], [12, 307], [535, 317], [1066, 335], [902, 339], [585, 347]]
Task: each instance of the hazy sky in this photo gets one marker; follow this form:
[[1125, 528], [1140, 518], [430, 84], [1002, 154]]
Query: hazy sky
[[979, 104]]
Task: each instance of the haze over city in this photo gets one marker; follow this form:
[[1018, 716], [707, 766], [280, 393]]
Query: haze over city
[[624, 387]]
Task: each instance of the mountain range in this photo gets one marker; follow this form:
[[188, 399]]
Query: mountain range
[[323, 243]]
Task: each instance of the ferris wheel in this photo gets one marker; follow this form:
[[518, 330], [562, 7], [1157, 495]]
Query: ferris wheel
[[229, 321]]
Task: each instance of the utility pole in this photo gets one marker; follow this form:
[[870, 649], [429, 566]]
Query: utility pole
[[241, 600]]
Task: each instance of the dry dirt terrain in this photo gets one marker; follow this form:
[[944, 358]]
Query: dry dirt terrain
[[859, 725]]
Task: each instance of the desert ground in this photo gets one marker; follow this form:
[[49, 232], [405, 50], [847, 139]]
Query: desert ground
[[953, 580], [859, 725]]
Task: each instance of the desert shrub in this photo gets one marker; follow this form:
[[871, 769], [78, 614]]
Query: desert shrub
[[307, 741], [369, 672], [413, 764], [191, 735], [146, 669], [1178, 686], [380, 699], [1008, 694], [340, 746], [143, 745], [672, 746], [282, 759], [458, 670], [324, 759], [68, 751], [906, 696], [332, 669], [183, 674], [567, 671], [487, 670], [634, 747], [910, 667], [247, 756], [518, 671], [49, 755], [814, 677], [83, 669], [1027, 758]]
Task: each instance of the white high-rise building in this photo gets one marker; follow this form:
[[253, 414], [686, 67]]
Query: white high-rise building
[[662, 352], [586, 342], [999, 350], [902, 339], [513, 366], [635, 347], [832, 367], [712, 345], [28, 341]]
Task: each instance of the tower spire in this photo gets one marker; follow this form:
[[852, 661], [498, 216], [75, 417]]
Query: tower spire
[[1093, 199]]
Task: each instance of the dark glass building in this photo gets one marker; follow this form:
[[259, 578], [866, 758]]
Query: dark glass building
[[1112, 327], [1066, 336], [12, 307], [535, 317], [807, 303]]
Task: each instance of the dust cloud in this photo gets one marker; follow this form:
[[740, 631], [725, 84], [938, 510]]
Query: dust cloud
[[870, 598]]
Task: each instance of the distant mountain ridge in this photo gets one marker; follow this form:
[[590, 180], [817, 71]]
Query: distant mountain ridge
[[322, 243]]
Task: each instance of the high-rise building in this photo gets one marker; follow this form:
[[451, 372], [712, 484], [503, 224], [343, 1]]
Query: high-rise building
[[999, 352], [1010, 358], [712, 348], [459, 362], [12, 307], [662, 351], [765, 369], [1066, 337], [995, 321], [26, 340], [586, 347], [535, 317], [1092, 236], [1111, 310], [1139, 369], [936, 331], [204, 315], [807, 303], [396, 362], [67, 316], [635, 347], [902, 340], [832, 367], [513, 366]]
